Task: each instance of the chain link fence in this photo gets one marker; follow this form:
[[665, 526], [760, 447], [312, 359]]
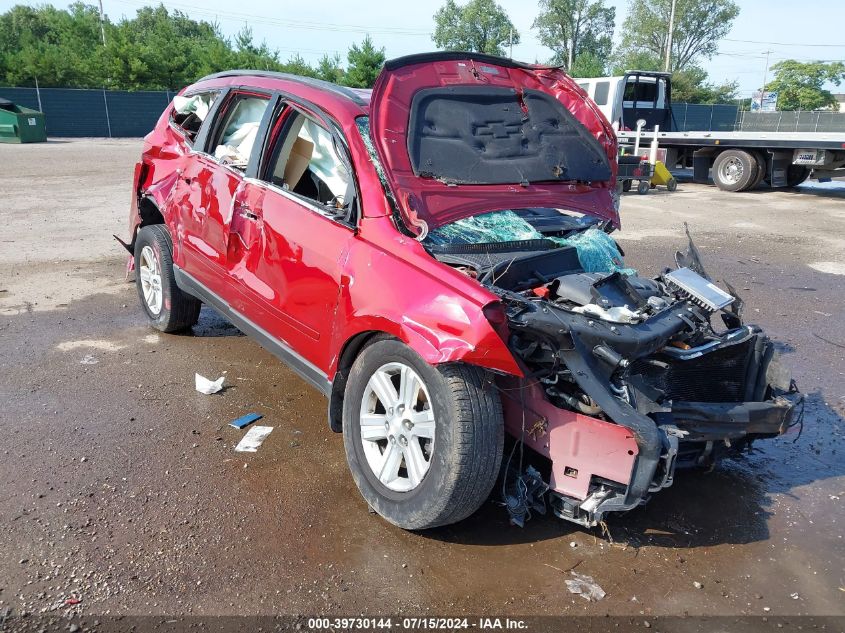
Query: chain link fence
[[105, 113], [814, 121]]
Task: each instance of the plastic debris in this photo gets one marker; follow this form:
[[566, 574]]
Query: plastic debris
[[208, 387], [253, 439], [584, 586], [524, 495], [88, 359], [245, 420]]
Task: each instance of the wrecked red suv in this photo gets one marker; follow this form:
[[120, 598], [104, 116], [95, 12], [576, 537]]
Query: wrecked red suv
[[435, 257]]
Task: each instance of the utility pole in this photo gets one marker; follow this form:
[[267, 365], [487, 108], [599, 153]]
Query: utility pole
[[765, 76], [102, 25], [511, 43], [669, 38]]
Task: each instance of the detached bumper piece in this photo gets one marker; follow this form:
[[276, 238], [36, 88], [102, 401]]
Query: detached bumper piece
[[712, 421]]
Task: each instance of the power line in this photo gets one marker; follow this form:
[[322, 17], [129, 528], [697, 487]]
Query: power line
[[298, 24], [728, 39]]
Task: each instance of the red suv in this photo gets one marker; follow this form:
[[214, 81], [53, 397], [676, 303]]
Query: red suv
[[434, 256]]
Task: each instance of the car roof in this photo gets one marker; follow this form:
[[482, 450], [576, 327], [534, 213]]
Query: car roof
[[330, 97]]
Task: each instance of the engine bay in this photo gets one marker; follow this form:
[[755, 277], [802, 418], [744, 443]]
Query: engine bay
[[667, 357]]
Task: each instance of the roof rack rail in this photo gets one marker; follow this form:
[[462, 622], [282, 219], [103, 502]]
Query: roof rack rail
[[342, 91]]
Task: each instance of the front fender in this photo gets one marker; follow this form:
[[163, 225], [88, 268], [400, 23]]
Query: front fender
[[420, 303]]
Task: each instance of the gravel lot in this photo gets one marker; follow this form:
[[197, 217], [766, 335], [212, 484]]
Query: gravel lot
[[120, 488]]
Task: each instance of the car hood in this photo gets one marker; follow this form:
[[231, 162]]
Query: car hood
[[460, 134]]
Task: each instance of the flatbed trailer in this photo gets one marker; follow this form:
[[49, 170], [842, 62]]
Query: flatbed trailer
[[783, 159], [739, 160]]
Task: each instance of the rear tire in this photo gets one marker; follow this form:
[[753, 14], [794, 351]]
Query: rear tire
[[643, 187], [734, 170], [457, 452], [762, 171], [796, 174], [166, 306]]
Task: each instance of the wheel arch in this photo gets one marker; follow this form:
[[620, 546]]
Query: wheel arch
[[350, 351], [380, 329], [148, 213]]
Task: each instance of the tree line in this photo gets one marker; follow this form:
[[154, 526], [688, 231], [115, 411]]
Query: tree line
[[160, 49]]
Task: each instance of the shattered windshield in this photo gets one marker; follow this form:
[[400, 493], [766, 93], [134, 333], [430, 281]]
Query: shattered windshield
[[597, 251], [499, 226]]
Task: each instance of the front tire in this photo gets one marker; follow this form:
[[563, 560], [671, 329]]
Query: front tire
[[424, 443], [166, 306]]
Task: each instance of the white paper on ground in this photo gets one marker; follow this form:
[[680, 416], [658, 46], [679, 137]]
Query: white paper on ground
[[208, 387], [253, 439]]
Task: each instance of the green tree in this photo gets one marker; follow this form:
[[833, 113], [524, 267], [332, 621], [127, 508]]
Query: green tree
[[330, 69], [250, 55], [59, 48], [698, 27], [480, 26], [296, 65], [365, 62], [577, 29], [588, 65], [157, 49], [801, 85], [691, 86]]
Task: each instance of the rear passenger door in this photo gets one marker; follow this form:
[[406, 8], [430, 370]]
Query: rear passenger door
[[211, 178], [302, 209]]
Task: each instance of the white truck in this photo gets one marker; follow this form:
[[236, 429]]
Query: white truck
[[740, 160]]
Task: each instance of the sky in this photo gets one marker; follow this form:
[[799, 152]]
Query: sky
[[314, 27]]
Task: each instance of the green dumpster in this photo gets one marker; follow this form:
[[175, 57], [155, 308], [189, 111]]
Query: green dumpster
[[21, 125]]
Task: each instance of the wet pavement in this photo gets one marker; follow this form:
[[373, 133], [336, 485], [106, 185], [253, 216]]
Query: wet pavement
[[121, 489]]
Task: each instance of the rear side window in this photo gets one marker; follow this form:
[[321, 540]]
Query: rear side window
[[189, 112], [602, 91], [237, 130]]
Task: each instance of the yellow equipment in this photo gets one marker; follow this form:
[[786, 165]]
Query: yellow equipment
[[663, 177]]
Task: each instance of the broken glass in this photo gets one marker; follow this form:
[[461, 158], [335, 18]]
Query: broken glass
[[597, 251]]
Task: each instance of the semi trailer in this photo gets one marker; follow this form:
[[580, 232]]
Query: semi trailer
[[641, 101]]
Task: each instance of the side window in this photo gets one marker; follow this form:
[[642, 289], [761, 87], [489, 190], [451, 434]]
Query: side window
[[237, 129], [585, 87], [190, 111], [305, 162], [602, 91]]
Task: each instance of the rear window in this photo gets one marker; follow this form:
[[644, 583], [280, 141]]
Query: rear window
[[189, 112], [493, 135], [646, 91]]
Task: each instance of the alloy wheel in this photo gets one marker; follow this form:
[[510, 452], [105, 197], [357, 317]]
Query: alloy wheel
[[397, 427], [150, 272]]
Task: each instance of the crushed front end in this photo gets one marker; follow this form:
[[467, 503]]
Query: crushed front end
[[627, 378]]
